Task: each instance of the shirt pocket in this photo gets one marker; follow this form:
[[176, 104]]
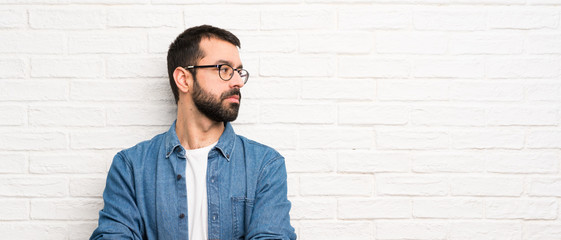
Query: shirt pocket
[[241, 210]]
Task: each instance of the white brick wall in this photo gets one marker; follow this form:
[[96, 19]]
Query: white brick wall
[[399, 119]]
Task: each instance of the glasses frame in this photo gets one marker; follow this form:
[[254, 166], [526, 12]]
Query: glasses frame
[[219, 66]]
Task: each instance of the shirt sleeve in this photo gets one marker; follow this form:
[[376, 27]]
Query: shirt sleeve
[[270, 218], [120, 217]]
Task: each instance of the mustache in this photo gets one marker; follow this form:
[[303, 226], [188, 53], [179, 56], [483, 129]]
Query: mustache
[[233, 92]]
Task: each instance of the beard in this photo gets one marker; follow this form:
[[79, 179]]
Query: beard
[[207, 104]]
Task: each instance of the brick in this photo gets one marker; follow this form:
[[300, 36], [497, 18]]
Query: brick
[[77, 231], [464, 230], [373, 114], [33, 90], [418, 89], [487, 186], [67, 162], [136, 67], [521, 209], [267, 42], [523, 162], [534, 116], [522, 68], [336, 230], [280, 138], [14, 209], [546, 187], [33, 140], [13, 162], [375, 18], [355, 89], [31, 42], [87, 186], [543, 139], [336, 185], [487, 139], [108, 138], [449, 20], [373, 208], [12, 68], [33, 230], [297, 66], [412, 140], [244, 18], [73, 209], [71, 67], [144, 17], [67, 115], [448, 162], [13, 18], [448, 68], [372, 162], [543, 91], [310, 161], [268, 88], [141, 115], [455, 208], [411, 43], [405, 185], [293, 185], [120, 90], [448, 116], [336, 42], [519, 18], [338, 138], [103, 42], [67, 18], [361, 67], [486, 91], [33, 186], [13, 115], [158, 42], [313, 208], [541, 231], [298, 19], [494, 43], [407, 229], [298, 113], [249, 113]]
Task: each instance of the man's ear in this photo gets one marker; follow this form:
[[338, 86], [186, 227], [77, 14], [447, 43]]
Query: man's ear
[[183, 79]]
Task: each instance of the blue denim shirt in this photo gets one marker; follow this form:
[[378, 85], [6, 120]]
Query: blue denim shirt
[[145, 195]]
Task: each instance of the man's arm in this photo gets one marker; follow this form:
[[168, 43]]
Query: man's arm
[[270, 218], [119, 218]]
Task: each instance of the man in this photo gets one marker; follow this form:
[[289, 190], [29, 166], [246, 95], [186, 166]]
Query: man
[[199, 180]]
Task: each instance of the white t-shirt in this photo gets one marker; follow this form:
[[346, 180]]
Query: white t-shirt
[[195, 181]]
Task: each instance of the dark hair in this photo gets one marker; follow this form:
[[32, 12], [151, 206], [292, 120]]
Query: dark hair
[[185, 49]]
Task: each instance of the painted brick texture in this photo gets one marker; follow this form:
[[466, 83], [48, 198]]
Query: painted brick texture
[[398, 119]]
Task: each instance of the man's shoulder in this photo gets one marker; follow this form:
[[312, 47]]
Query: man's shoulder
[[259, 150], [141, 150]]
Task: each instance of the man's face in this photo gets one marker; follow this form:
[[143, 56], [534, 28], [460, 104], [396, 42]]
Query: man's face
[[217, 99]]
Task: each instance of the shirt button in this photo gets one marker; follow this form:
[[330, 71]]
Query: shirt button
[[227, 155], [178, 176], [181, 216], [214, 217], [212, 180]]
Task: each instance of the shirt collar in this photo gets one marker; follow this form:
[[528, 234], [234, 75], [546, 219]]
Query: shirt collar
[[225, 144]]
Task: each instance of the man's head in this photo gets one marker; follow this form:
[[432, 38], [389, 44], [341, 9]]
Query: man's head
[[193, 78]]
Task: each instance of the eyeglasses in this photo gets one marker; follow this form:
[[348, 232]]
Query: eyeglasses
[[225, 71]]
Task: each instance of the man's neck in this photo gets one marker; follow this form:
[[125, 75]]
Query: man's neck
[[195, 130]]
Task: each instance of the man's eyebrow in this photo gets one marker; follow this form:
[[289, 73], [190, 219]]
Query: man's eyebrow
[[229, 63]]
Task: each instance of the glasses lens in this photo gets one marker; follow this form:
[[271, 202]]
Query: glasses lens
[[244, 75], [226, 72]]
